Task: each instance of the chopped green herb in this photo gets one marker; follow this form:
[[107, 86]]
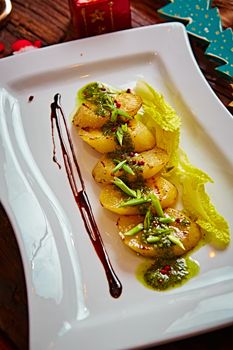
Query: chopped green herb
[[119, 135], [124, 127], [147, 220], [176, 241], [134, 230], [166, 220], [116, 111], [119, 183], [119, 166], [163, 230], [114, 115], [123, 113], [156, 204], [135, 201], [153, 239], [127, 169]]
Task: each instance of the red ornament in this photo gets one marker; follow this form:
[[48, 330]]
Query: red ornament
[[2, 47], [37, 43], [23, 45], [93, 17]]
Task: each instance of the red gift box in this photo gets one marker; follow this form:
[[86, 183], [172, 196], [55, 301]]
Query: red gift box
[[93, 17]]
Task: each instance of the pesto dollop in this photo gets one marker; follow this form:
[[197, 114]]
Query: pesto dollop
[[164, 274], [100, 96]]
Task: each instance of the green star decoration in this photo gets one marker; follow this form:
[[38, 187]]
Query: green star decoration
[[204, 22]]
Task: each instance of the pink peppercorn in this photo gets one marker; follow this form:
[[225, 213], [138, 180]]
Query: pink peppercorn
[[165, 270], [118, 104], [141, 162]]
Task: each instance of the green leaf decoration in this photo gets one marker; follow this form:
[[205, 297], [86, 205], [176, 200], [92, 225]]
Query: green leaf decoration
[[204, 23]]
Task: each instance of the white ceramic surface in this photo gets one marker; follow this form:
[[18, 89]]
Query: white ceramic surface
[[69, 303]]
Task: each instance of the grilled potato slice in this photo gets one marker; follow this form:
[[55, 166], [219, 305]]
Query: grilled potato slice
[[164, 189], [98, 141], [129, 103], [148, 164], [189, 235], [85, 117], [141, 136], [111, 197]]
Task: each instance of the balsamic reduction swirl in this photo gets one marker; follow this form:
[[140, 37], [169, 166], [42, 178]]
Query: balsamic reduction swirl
[[80, 196]]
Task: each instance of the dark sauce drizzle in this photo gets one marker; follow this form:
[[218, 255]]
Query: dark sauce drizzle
[[80, 196], [30, 98]]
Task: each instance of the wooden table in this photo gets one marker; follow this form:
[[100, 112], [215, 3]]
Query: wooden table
[[49, 21]]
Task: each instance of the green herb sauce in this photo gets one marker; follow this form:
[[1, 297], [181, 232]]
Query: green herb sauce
[[100, 96], [165, 274]]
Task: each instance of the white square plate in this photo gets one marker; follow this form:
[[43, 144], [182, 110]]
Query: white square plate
[[69, 302]]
